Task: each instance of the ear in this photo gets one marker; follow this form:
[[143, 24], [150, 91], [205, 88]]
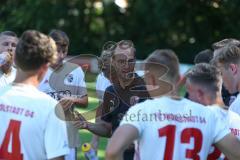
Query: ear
[[42, 71], [151, 79], [233, 68], [44, 67], [200, 95]]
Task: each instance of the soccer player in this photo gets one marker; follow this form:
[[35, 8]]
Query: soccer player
[[66, 82], [204, 56], [8, 42], [227, 60], [29, 128], [204, 83], [126, 91], [170, 127], [227, 97]]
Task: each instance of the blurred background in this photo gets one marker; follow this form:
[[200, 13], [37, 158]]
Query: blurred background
[[186, 26]]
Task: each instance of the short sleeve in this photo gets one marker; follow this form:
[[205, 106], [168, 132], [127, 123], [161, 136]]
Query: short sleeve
[[81, 82], [99, 90], [101, 85], [132, 117], [109, 103], [98, 83], [55, 138], [82, 78], [221, 126]]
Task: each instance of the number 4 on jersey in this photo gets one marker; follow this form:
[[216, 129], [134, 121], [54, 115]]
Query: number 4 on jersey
[[12, 131]]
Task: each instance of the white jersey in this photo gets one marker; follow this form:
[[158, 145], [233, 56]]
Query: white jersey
[[231, 117], [235, 106], [233, 120], [6, 79], [60, 84], [174, 129], [29, 128], [101, 84]]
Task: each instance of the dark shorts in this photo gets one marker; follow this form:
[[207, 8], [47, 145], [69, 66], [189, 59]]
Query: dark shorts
[[128, 154]]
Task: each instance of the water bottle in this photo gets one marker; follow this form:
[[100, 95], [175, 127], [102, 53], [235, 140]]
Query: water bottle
[[3, 58], [89, 152]]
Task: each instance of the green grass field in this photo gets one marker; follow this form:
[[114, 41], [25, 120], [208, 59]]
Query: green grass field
[[92, 103], [86, 136]]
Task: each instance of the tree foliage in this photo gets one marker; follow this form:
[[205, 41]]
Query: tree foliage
[[186, 26]]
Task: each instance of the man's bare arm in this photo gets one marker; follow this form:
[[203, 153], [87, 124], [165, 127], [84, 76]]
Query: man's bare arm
[[100, 128], [120, 140], [81, 102], [230, 146]]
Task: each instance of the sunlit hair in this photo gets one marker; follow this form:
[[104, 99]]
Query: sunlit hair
[[168, 58], [226, 55], [35, 49], [207, 76], [224, 42]]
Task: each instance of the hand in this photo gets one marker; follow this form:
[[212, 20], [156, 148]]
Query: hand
[[3, 58], [66, 103], [134, 100], [6, 61], [81, 124], [70, 115]]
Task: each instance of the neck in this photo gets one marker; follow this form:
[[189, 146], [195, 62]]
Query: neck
[[27, 78], [219, 102], [173, 94], [125, 82], [56, 67]]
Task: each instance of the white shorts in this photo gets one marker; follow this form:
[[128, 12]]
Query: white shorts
[[72, 154]]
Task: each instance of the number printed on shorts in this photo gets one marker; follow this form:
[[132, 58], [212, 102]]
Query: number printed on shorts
[[12, 132], [170, 132]]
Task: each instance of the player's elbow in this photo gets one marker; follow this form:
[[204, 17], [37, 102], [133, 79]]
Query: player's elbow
[[108, 134], [111, 153], [85, 102]]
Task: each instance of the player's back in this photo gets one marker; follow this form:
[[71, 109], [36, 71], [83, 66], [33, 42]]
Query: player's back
[[175, 129], [29, 127]]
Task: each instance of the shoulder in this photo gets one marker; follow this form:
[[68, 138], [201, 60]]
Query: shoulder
[[110, 89], [101, 77], [234, 116], [45, 97], [77, 69], [235, 105], [148, 105], [236, 101]]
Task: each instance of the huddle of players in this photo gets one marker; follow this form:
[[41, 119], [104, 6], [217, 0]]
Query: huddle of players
[[38, 63], [32, 126]]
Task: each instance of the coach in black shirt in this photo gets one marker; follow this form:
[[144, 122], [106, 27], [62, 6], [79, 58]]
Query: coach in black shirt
[[127, 89]]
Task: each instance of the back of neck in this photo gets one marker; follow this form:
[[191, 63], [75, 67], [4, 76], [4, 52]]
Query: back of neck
[[27, 78]]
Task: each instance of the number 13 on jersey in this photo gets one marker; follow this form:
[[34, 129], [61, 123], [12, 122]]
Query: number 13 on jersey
[[169, 132]]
